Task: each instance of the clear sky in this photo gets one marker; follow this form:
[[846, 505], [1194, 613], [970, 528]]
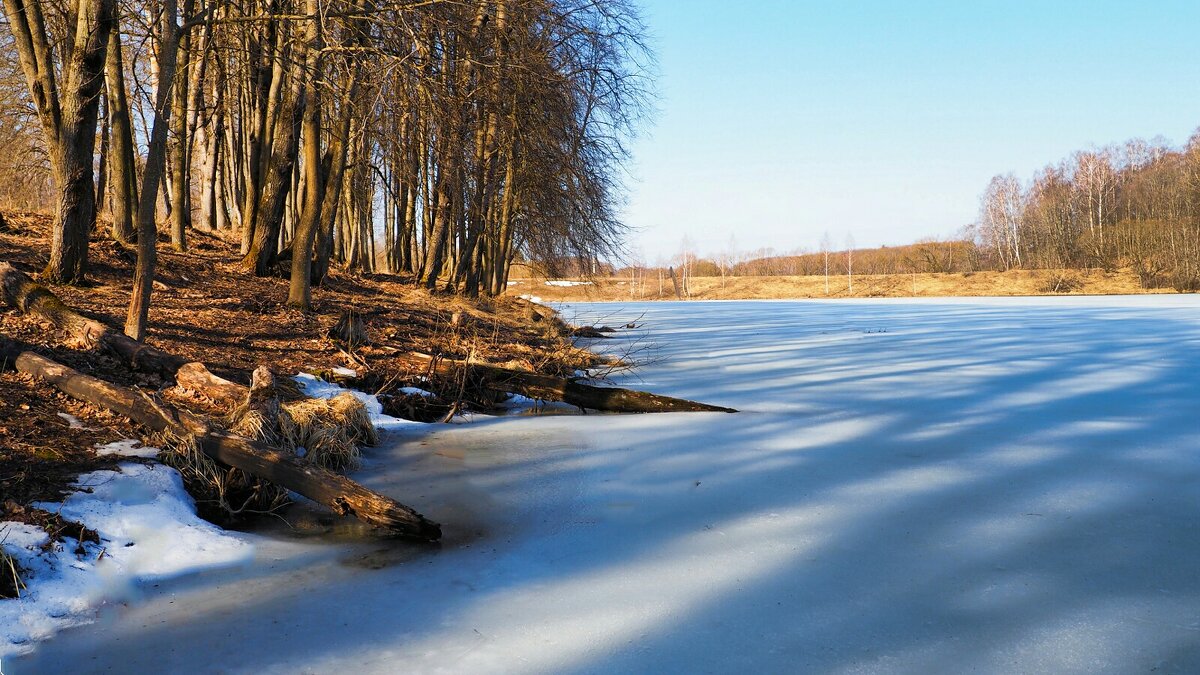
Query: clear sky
[[780, 120]]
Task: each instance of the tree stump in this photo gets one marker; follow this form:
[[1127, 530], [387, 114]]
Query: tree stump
[[349, 330]]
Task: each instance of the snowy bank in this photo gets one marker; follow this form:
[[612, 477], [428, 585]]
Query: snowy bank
[[148, 531]]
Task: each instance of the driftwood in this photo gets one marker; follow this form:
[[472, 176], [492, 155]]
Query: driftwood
[[339, 493], [21, 292], [550, 388]]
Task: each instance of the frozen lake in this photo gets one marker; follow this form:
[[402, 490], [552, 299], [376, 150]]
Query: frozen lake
[[912, 486]]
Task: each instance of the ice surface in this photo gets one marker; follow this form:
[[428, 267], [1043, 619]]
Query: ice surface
[[567, 284], [148, 531], [976, 485]]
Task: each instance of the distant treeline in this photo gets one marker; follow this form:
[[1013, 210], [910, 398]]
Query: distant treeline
[[927, 256], [1133, 206], [958, 255]]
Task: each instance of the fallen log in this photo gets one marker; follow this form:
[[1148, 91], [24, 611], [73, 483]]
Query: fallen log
[[325, 487], [196, 377], [591, 332], [23, 293], [550, 388]]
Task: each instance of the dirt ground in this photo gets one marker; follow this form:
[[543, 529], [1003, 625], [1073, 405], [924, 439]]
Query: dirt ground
[[205, 309], [1014, 282]]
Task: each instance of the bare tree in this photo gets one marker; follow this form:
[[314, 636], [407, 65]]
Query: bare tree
[[1095, 181], [66, 94], [850, 262], [147, 229], [1000, 221], [826, 250]]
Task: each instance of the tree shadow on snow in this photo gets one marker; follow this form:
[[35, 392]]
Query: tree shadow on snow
[[912, 487]]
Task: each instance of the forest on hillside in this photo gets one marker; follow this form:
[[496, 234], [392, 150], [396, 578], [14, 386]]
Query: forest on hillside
[[439, 139], [1135, 206]]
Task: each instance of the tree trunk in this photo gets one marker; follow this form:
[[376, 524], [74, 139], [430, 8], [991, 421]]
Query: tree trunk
[[441, 231], [122, 173], [264, 247], [181, 208], [68, 116], [300, 284], [156, 152]]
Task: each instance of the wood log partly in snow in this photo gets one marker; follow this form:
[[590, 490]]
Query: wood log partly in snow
[[339, 493]]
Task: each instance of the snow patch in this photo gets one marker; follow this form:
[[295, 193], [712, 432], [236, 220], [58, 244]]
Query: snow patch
[[127, 447], [73, 421], [568, 284]]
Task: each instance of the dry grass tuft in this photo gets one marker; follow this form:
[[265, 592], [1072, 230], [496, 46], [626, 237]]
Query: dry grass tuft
[[330, 430], [1061, 281], [259, 425], [221, 493], [11, 583]]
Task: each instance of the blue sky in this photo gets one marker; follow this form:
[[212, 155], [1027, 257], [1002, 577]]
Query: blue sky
[[778, 121]]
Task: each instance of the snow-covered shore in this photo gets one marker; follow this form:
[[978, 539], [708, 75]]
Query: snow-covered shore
[[149, 531], [969, 485]]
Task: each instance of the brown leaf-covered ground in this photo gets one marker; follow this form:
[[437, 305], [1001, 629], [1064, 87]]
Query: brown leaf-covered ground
[[206, 309]]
